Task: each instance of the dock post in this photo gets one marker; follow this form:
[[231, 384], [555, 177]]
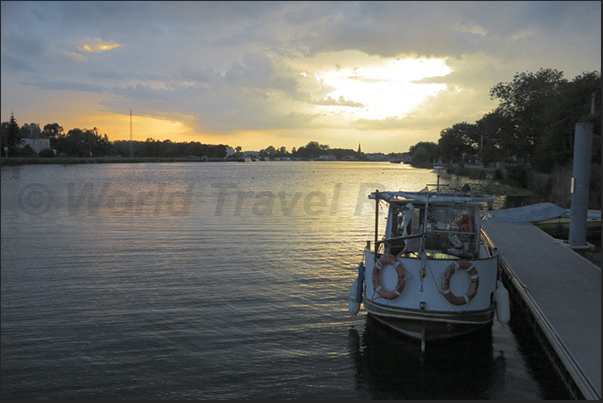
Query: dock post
[[580, 184]]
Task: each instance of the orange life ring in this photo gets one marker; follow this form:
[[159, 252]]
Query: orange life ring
[[473, 284], [378, 287]]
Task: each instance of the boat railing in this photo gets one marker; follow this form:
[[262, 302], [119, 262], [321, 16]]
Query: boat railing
[[397, 239], [492, 249], [487, 239], [452, 232], [400, 238]]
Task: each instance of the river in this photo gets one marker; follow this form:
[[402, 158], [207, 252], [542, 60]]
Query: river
[[220, 281]]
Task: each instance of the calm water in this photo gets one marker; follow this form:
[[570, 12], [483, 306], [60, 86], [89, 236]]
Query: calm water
[[220, 281]]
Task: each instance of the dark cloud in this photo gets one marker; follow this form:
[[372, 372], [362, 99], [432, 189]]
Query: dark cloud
[[235, 65]]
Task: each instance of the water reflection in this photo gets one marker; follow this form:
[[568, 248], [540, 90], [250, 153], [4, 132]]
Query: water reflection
[[551, 385], [391, 366]]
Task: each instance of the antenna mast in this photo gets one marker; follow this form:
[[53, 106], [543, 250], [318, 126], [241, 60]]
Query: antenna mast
[[131, 145]]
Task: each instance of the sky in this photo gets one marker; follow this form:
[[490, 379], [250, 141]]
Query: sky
[[384, 75]]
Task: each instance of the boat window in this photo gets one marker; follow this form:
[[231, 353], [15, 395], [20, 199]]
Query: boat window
[[451, 229], [407, 219], [451, 218]]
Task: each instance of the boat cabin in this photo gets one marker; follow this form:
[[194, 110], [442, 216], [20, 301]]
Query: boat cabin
[[440, 228]]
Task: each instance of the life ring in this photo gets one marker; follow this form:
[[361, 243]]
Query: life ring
[[473, 284], [378, 287]]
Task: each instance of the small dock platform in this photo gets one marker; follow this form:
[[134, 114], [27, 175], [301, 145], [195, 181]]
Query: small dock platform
[[562, 290]]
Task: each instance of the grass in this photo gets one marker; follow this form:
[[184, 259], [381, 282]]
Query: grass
[[497, 189]]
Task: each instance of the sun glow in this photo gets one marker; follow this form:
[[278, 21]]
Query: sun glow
[[390, 88], [117, 127]]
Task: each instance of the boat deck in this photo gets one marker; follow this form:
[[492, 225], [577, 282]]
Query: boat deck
[[563, 292]]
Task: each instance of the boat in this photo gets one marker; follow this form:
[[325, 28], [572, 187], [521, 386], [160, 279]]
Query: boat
[[549, 217], [431, 273]]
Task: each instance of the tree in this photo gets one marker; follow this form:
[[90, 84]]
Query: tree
[[574, 106], [30, 129], [53, 131], [312, 150], [457, 141], [268, 152], [423, 153], [494, 145], [542, 109], [152, 147], [11, 136], [529, 102], [84, 143]]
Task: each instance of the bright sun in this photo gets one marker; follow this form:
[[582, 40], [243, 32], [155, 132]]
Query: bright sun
[[386, 87]]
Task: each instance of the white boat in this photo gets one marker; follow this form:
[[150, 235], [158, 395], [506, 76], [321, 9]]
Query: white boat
[[431, 273], [549, 217]]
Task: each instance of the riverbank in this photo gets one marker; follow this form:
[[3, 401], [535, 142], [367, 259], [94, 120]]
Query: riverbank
[[519, 180]]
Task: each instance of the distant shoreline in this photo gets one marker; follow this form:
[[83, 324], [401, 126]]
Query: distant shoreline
[[112, 160], [100, 160]]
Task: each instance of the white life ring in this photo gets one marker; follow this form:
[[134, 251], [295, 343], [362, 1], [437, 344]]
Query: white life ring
[[378, 287], [473, 283]]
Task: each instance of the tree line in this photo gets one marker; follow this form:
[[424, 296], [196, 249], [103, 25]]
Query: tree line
[[312, 150], [533, 124], [90, 143]]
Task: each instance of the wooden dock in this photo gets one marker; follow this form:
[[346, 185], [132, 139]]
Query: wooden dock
[[562, 290]]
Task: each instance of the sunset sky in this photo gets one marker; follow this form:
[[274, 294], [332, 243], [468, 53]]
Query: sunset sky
[[253, 74]]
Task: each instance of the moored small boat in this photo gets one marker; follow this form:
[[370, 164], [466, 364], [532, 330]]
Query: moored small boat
[[549, 217], [431, 272]]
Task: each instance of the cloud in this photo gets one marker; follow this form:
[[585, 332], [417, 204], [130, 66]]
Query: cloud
[[473, 29], [236, 66], [66, 86], [340, 102], [99, 45]]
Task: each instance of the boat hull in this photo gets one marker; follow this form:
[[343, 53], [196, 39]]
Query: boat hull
[[423, 310], [559, 227], [428, 326]]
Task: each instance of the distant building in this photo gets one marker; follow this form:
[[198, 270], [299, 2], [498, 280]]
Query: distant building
[[326, 158], [37, 142], [377, 157], [230, 151]]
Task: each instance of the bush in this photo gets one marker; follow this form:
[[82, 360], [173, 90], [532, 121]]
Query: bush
[[517, 175], [25, 151], [46, 153], [540, 184]]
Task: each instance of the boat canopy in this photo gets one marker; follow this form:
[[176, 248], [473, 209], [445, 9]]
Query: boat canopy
[[430, 196], [534, 213]]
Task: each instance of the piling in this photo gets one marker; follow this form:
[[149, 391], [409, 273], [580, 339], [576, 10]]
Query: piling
[[580, 184]]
